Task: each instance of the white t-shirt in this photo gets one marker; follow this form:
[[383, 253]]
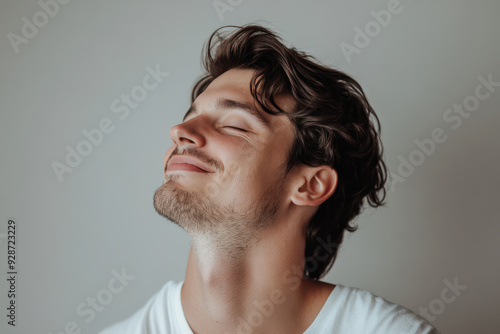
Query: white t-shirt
[[346, 311]]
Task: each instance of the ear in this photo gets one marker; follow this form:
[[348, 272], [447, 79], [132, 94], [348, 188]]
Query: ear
[[314, 185]]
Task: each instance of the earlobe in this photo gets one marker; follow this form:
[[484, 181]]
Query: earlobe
[[316, 186]]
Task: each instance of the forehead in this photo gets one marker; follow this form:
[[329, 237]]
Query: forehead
[[234, 83]]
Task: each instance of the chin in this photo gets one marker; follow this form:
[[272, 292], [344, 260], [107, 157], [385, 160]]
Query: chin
[[180, 206]]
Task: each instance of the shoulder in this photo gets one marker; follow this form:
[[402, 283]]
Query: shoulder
[[151, 316], [374, 314]]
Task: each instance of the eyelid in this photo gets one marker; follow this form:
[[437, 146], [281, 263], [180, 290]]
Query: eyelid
[[236, 123], [238, 128], [234, 127]]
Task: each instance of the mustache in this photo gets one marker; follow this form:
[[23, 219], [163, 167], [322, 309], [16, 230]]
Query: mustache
[[197, 154]]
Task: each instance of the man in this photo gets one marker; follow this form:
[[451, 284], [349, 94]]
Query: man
[[269, 167]]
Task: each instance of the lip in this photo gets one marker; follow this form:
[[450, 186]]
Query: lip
[[187, 163]]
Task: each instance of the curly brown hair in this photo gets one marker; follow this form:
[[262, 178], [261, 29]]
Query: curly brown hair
[[332, 126]]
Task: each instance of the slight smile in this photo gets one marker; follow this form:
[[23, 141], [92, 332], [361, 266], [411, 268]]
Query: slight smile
[[186, 163]]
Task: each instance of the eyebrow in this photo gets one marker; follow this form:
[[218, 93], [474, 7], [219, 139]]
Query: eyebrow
[[233, 104]]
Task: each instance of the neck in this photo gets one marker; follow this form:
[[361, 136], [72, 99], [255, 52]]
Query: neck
[[227, 282]]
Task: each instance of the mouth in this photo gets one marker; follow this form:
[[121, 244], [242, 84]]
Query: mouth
[[186, 163], [185, 167]]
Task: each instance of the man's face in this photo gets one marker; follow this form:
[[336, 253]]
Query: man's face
[[226, 167]]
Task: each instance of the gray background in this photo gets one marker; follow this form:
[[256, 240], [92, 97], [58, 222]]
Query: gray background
[[440, 224]]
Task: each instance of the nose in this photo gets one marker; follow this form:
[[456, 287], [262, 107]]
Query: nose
[[187, 134]]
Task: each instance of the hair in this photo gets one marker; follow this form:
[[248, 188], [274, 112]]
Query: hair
[[331, 120]]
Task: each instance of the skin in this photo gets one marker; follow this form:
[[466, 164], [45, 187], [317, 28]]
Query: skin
[[246, 218]]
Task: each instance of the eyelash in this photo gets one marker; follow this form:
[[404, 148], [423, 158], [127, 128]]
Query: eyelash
[[233, 127]]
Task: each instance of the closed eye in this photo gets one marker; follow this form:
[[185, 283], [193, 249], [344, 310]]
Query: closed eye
[[234, 127]]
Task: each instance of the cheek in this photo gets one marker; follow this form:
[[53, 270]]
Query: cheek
[[251, 172], [249, 163]]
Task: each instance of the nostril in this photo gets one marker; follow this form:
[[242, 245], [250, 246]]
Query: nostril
[[187, 133], [186, 138]]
